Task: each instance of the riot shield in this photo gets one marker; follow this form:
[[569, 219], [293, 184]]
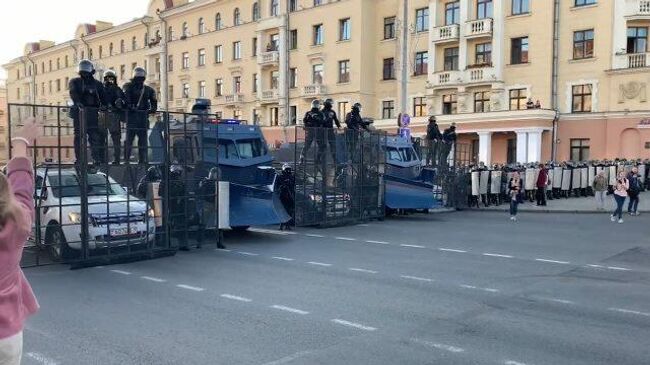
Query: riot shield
[[475, 183], [484, 180], [495, 185], [530, 179], [584, 177], [566, 179], [592, 175], [612, 175], [575, 178], [557, 177]]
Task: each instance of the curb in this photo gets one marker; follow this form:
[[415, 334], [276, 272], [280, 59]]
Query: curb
[[520, 210]]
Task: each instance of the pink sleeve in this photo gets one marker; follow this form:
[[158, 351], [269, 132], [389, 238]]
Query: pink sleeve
[[21, 178]]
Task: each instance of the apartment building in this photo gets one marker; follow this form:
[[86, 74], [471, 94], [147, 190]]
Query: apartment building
[[475, 63], [3, 123]]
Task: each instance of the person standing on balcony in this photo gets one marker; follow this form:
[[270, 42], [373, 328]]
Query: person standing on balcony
[[141, 101]]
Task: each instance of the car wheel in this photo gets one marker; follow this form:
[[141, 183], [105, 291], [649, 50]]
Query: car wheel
[[56, 243], [241, 228]]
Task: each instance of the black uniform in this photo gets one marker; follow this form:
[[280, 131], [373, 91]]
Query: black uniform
[[178, 219], [111, 117], [286, 186], [141, 101], [330, 119], [355, 125], [314, 120], [448, 141], [433, 138], [151, 176], [87, 95]]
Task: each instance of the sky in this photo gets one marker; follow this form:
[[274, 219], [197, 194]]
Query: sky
[[25, 21]]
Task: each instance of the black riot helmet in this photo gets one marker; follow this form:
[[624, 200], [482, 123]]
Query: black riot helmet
[[175, 172], [356, 107], [328, 103], [139, 74], [315, 104], [286, 168], [85, 68], [214, 173], [110, 76], [153, 173]]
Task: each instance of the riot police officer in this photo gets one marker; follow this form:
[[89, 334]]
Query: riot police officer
[[87, 95], [286, 185], [355, 125], [111, 117], [141, 101], [313, 121], [176, 205], [433, 141], [448, 141], [152, 175], [330, 119], [207, 194]]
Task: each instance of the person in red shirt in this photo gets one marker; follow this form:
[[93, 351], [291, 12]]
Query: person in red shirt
[[542, 182]]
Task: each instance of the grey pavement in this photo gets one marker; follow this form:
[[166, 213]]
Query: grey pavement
[[457, 288], [574, 205]]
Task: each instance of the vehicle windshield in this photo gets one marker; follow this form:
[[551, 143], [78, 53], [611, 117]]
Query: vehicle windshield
[[251, 148], [67, 185], [403, 154]]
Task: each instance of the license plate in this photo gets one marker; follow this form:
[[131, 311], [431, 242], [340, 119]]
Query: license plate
[[123, 231]]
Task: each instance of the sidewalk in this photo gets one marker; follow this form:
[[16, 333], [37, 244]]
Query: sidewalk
[[571, 205]]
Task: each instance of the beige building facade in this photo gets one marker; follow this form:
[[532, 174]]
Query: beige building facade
[[4, 145], [475, 63]]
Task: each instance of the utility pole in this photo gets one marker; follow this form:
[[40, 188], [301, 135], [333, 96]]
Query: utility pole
[[286, 71], [404, 59], [164, 80]]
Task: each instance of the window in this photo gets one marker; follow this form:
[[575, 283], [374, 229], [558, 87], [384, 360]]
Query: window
[[344, 29], [170, 93], [201, 89], [186, 90], [134, 43], [293, 77], [389, 27], [275, 80], [110, 49], [170, 34], [236, 84], [90, 55], [344, 71], [519, 50], [579, 149], [255, 81], [452, 13], [449, 104], [254, 47], [517, 99], [388, 109], [186, 31], [481, 101], [317, 31], [101, 52], [293, 39], [421, 63], [236, 50], [236, 17], [293, 5], [520, 7], [122, 72], [201, 26], [217, 22], [218, 54], [275, 7], [483, 54], [422, 20], [343, 108], [275, 42], [511, 154], [450, 59], [202, 57], [186, 61], [218, 87], [483, 9], [419, 107], [58, 85], [67, 83], [170, 63], [581, 98], [50, 65], [122, 47], [584, 2], [583, 44], [256, 11], [317, 74], [637, 39], [389, 69], [66, 61]]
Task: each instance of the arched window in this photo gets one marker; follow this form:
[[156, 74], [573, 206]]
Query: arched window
[[186, 31], [275, 7], [122, 47], [134, 44], [170, 34], [217, 22], [110, 49], [201, 26], [236, 17], [101, 51], [90, 54], [66, 63], [256, 11], [83, 57]]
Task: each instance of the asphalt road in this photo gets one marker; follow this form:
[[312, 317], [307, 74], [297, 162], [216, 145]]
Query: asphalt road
[[459, 288]]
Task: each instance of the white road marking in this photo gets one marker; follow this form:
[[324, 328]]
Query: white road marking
[[378, 242], [282, 258], [319, 263], [490, 290], [553, 261], [40, 358], [417, 278], [247, 253], [618, 268], [468, 286], [288, 359], [223, 250], [235, 297], [289, 309], [189, 287], [270, 231], [439, 346], [362, 270], [596, 266], [345, 238], [314, 235], [354, 325], [122, 272], [628, 311], [363, 225], [497, 255], [510, 362], [556, 300], [150, 278], [412, 246], [99, 267], [451, 250]]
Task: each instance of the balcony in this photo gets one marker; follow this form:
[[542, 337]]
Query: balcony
[[631, 61], [271, 58], [637, 9], [446, 34], [314, 91], [478, 28], [233, 99], [480, 74], [270, 96], [444, 78]]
